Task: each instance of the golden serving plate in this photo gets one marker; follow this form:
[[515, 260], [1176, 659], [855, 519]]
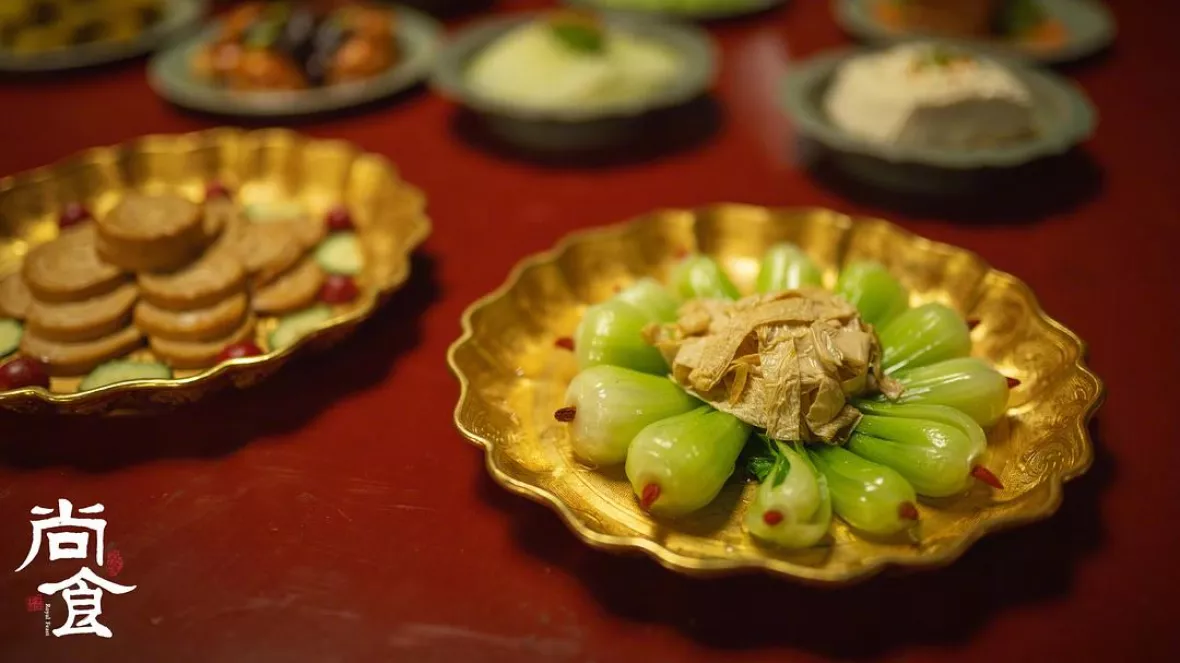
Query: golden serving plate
[[261, 167], [513, 377]]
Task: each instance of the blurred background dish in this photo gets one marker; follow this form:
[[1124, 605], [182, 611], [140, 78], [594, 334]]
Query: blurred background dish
[[1045, 30], [561, 79], [52, 35], [684, 9], [934, 105], [281, 59]]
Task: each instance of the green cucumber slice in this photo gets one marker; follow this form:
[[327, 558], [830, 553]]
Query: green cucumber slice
[[340, 253], [10, 334], [121, 370], [299, 324]]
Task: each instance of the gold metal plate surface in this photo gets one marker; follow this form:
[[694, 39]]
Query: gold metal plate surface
[[513, 377], [261, 167]]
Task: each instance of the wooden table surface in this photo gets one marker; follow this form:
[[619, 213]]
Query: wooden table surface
[[334, 513]]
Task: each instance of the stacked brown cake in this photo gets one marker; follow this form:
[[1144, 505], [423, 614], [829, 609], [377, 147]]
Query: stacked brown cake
[[188, 277]]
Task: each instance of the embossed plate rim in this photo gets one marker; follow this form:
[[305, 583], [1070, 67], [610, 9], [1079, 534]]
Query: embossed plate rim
[[698, 566], [418, 35]]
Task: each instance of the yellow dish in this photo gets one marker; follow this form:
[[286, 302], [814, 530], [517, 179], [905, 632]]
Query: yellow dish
[[269, 167], [513, 374]]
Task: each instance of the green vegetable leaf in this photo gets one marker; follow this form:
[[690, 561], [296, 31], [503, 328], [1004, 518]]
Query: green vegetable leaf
[[582, 38], [782, 467], [759, 467], [758, 458], [764, 461]]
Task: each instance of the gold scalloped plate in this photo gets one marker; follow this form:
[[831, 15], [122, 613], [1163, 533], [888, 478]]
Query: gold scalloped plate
[[513, 377], [262, 167]]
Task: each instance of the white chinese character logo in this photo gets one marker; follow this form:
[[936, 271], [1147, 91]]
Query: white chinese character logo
[[83, 591], [66, 545], [83, 596]]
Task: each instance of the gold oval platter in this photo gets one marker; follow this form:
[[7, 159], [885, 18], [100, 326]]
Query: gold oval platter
[[514, 364], [336, 192]]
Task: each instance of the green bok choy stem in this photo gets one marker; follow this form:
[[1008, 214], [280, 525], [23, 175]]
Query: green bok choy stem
[[701, 276], [607, 406], [792, 507], [967, 384], [785, 267], [679, 464], [873, 291], [921, 336], [868, 496]]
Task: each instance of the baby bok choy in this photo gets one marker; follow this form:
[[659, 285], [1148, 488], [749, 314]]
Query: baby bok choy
[[785, 267], [650, 298], [937, 457], [924, 335], [868, 496], [607, 406], [612, 333], [679, 464], [701, 276], [969, 450], [792, 507], [967, 384], [873, 291]]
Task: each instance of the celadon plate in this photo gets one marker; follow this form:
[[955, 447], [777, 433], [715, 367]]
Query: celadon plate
[[170, 76], [1063, 115], [513, 376], [692, 46], [1088, 26], [263, 168]]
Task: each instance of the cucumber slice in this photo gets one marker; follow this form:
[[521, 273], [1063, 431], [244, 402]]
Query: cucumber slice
[[340, 253], [297, 325], [274, 211], [121, 370], [10, 333]]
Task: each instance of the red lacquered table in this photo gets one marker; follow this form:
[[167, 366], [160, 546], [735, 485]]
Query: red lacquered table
[[334, 514]]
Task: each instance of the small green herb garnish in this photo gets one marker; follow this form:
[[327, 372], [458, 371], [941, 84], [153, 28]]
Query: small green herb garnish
[[940, 56], [581, 38]]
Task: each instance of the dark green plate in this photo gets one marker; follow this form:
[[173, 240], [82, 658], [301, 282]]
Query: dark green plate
[[1088, 23], [179, 16], [170, 76]]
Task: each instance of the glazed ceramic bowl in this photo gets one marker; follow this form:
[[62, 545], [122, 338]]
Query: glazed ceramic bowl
[[1063, 114], [171, 77], [513, 376], [585, 126], [1088, 26]]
